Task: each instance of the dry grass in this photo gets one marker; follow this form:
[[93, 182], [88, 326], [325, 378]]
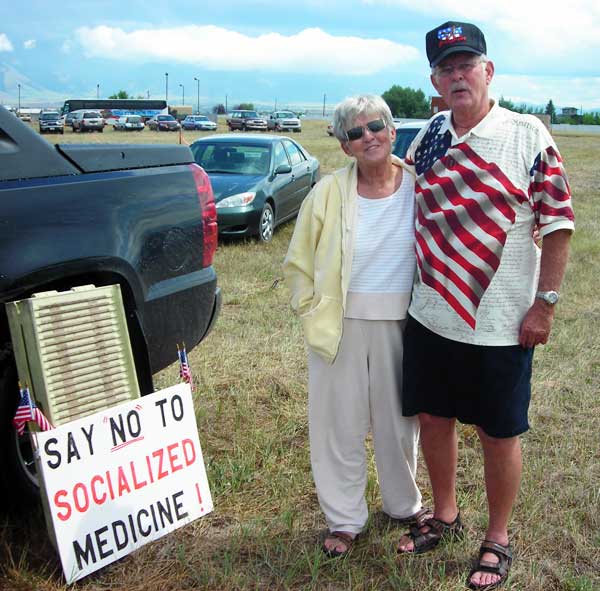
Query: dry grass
[[251, 408]]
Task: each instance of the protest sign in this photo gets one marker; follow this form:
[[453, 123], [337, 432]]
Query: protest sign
[[121, 478]]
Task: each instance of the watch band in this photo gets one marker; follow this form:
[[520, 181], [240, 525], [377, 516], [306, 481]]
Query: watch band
[[550, 297]]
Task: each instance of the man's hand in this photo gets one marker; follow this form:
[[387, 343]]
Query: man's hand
[[536, 326]]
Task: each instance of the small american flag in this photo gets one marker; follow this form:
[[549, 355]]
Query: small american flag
[[28, 411], [185, 372]]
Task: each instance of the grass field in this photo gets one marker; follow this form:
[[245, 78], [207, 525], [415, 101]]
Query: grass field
[[251, 410]]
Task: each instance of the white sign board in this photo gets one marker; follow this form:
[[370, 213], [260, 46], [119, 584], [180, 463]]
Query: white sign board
[[123, 477]]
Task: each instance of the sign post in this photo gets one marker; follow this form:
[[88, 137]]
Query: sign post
[[121, 478]]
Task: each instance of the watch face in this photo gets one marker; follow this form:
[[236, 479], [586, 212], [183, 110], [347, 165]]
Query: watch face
[[550, 297]]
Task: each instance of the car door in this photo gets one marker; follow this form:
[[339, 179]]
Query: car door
[[282, 185], [301, 175]]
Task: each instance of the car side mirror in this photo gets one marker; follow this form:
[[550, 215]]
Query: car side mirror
[[282, 169]]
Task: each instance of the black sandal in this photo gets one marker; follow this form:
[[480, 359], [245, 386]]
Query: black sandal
[[438, 530], [500, 568], [417, 519]]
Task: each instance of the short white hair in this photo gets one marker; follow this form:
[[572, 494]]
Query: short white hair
[[350, 109]]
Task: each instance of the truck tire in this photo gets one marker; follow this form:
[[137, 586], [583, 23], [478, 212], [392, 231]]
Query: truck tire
[[18, 480]]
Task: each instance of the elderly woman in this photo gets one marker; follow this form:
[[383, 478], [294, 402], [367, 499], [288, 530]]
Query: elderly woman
[[350, 268]]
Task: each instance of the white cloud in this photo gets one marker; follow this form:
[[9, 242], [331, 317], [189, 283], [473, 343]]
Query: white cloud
[[551, 27], [29, 44], [67, 46], [309, 51], [5, 44]]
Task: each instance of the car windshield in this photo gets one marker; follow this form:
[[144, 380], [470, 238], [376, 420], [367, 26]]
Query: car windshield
[[404, 136], [201, 118], [135, 119], [91, 115], [166, 118], [286, 114], [232, 158], [250, 114], [49, 116]]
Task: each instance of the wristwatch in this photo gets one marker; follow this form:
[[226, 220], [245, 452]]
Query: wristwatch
[[550, 297]]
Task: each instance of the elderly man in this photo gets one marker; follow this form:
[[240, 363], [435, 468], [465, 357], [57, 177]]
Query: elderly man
[[483, 297]]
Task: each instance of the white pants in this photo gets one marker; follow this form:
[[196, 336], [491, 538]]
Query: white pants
[[361, 389]]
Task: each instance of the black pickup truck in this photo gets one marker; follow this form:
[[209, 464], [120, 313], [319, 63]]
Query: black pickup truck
[[141, 216]]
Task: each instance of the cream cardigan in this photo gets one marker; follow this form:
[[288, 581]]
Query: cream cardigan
[[318, 262]]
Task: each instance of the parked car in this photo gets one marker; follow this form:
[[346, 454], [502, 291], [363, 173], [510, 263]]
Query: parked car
[[68, 119], [87, 121], [405, 134], [284, 121], [258, 181], [25, 117], [129, 123], [246, 120], [200, 122], [163, 123], [50, 122]]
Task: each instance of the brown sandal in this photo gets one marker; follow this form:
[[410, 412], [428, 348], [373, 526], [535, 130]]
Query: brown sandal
[[417, 519], [500, 568], [340, 536], [438, 530]]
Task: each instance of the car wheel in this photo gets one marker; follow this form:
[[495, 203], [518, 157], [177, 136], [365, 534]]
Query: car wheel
[[62, 132], [101, 130], [18, 476], [267, 224]]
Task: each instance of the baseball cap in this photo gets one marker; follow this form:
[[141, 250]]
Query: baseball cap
[[453, 37]]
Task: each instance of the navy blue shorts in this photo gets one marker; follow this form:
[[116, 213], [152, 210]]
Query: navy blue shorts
[[487, 386]]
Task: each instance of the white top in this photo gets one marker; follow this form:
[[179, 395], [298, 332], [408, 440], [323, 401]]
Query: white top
[[478, 198], [383, 258]]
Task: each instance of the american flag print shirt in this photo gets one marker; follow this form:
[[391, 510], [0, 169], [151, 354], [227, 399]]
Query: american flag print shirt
[[478, 199]]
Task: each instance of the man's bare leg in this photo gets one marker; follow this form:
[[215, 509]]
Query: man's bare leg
[[502, 470], [439, 444]]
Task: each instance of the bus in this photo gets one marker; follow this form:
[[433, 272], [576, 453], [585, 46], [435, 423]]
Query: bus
[[115, 108]]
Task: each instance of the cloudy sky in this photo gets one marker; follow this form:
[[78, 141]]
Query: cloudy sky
[[288, 53]]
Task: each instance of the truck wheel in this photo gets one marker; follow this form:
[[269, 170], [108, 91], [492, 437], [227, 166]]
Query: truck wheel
[[266, 224], [18, 477]]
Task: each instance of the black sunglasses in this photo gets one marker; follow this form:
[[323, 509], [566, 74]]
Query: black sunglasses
[[357, 132]]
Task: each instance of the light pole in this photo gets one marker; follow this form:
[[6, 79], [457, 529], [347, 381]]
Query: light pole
[[324, 97], [182, 94], [167, 88], [19, 86], [225, 103], [198, 87], [97, 91]]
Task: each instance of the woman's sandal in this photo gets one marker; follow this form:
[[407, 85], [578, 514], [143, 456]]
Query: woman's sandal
[[340, 537], [438, 530], [500, 568]]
